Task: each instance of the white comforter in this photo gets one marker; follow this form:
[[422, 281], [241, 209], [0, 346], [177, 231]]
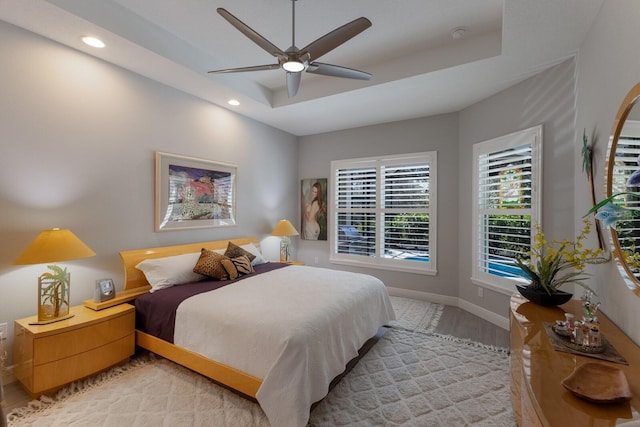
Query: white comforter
[[295, 327]]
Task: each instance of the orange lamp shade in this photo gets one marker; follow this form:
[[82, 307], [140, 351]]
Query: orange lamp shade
[[54, 245]]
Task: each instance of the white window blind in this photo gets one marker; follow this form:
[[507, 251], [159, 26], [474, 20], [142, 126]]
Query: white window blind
[[506, 194], [406, 209], [383, 212], [356, 196]]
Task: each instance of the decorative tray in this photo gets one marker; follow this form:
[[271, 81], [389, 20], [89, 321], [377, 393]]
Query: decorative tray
[[566, 340], [598, 383]]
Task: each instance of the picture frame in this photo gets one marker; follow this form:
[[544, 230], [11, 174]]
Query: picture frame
[[313, 209], [193, 193], [104, 291]]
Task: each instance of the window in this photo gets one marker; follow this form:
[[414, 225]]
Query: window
[[507, 173], [384, 212]]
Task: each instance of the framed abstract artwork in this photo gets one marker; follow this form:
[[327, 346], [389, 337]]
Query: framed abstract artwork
[[313, 209], [194, 193]]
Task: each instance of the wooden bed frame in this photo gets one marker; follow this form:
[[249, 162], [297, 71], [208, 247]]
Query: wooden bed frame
[[135, 283]]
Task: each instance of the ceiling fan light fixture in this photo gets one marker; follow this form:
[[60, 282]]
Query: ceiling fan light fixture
[[293, 66], [293, 60]]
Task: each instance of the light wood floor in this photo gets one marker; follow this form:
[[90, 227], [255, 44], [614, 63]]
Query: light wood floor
[[462, 324], [454, 321]]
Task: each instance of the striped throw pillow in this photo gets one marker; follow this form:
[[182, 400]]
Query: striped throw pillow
[[243, 265]]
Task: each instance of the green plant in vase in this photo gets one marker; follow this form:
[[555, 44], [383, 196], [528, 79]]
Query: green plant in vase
[[54, 288], [552, 265]]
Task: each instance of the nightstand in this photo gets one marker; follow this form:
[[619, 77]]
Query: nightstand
[[294, 262], [48, 357]]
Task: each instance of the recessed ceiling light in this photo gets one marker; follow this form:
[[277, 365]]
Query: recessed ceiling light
[[233, 102], [93, 42]]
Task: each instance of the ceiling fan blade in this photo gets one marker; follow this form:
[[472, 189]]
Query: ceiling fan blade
[[243, 69], [335, 38], [293, 83], [252, 34], [337, 71]]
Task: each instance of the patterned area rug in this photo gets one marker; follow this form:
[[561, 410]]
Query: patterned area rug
[[418, 380], [416, 315], [406, 379]]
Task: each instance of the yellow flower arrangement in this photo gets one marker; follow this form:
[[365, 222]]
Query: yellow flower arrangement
[[552, 265]]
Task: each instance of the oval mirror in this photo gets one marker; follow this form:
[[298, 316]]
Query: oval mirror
[[623, 160]]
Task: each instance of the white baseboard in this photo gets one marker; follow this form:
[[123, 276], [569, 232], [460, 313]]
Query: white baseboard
[[483, 313]]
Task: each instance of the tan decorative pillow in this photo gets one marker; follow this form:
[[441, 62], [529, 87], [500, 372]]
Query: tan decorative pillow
[[243, 265], [230, 268], [210, 264], [234, 251]]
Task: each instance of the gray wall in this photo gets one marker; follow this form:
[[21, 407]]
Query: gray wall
[[608, 67], [548, 99], [438, 133], [575, 95], [78, 139]]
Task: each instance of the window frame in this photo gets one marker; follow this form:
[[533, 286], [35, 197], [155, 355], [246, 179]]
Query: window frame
[[376, 261], [533, 135]]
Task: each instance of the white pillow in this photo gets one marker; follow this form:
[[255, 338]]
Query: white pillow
[[169, 271], [259, 259]]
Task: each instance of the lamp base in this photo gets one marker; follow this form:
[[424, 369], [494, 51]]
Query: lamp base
[[284, 249], [57, 319], [54, 290]]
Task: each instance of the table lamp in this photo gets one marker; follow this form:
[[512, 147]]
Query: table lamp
[[284, 229], [53, 246]]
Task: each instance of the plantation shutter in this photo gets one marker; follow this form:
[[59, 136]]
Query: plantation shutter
[[384, 212], [356, 201], [406, 207], [507, 204]]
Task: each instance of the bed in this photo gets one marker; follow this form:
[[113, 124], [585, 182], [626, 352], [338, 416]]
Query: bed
[[279, 335]]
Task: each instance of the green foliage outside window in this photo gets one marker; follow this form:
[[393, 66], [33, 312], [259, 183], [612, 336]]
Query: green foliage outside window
[[509, 235]]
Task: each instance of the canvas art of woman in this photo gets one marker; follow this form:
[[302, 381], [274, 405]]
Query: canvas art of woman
[[313, 210]]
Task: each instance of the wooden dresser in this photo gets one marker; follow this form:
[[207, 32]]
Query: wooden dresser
[[49, 356], [537, 395]]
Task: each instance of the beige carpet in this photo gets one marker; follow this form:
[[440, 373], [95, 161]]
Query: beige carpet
[[416, 315], [406, 379]]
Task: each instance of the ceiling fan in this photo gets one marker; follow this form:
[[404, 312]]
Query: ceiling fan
[[293, 60]]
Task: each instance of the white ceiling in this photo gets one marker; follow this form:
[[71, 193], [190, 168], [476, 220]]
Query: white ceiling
[[418, 68]]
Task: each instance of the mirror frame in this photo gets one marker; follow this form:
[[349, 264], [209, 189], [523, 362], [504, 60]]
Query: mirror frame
[[632, 99]]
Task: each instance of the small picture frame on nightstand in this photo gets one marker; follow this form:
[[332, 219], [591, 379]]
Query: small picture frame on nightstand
[[105, 290]]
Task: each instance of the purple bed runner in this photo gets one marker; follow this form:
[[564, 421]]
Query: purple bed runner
[[156, 312]]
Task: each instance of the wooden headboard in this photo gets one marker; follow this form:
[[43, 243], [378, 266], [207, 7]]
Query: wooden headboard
[[134, 278]]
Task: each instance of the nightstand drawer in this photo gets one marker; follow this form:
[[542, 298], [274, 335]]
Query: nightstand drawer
[[66, 344], [73, 368], [49, 356]]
